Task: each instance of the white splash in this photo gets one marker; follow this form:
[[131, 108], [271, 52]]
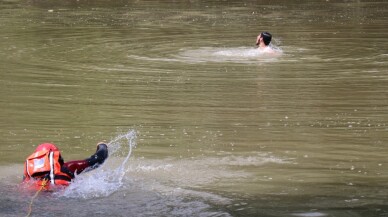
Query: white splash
[[236, 54], [244, 55], [107, 179]]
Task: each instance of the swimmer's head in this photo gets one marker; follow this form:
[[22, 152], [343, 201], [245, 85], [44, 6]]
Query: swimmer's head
[[266, 36]]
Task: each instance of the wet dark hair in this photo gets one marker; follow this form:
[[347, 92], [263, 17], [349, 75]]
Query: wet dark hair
[[266, 37]]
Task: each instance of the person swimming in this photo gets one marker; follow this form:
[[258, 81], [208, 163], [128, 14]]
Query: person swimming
[[263, 40], [46, 167]]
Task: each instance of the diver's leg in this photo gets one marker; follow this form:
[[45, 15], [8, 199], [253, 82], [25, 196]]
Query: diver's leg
[[77, 166], [99, 157]]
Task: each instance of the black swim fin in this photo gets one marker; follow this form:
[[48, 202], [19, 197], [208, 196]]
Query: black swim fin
[[99, 157]]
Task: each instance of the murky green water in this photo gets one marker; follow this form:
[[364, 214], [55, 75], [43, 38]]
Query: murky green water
[[221, 129]]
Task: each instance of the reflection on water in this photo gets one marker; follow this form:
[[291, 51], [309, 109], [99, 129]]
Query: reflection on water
[[222, 129]]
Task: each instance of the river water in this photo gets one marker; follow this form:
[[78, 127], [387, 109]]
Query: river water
[[210, 126]]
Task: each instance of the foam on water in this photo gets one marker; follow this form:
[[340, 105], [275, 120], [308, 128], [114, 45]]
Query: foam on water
[[213, 54], [310, 214], [108, 178], [198, 171], [239, 54]]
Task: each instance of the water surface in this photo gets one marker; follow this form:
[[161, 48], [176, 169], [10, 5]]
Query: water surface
[[221, 129]]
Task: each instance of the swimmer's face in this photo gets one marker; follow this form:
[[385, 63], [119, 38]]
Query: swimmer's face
[[258, 39]]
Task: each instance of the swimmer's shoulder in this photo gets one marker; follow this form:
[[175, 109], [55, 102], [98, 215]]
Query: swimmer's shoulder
[[271, 51]]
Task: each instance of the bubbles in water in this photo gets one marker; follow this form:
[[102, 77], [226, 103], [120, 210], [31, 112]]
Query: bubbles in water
[[108, 178]]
